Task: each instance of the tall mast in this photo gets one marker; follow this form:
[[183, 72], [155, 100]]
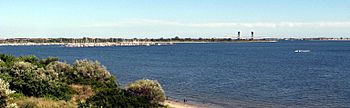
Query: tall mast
[[239, 35]]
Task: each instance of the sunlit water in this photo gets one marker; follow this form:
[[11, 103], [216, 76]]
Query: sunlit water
[[228, 74]]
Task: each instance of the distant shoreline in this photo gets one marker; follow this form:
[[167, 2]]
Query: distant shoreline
[[133, 43], [136, 43]]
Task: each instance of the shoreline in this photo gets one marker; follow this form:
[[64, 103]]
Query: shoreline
[[179, 104], [137, 43]]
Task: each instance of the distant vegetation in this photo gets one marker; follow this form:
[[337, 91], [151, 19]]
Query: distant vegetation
[[174, 39], [30, 82], [102, 40]]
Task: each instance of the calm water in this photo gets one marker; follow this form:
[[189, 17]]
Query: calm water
[[228, 74]]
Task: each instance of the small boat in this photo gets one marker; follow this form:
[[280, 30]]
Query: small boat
[[302, 51]]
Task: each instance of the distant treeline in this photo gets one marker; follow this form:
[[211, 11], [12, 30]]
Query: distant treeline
[[99, 40], [178, 39]]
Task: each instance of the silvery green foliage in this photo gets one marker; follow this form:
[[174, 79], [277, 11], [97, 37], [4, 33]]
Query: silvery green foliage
[[151, 89], [52, 72], [22, 67], [2, 67], [5, 93], [91, 70], [4, 88], [48, 60], [44, 74], [57, 70], [33, 80], [12, 105]]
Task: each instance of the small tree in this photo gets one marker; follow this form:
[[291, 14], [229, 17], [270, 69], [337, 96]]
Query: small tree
[[149, 89]]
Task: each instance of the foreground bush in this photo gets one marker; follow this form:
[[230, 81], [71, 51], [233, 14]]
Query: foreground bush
[[91, 70], [48, 60], [119, 98], [52, 83], [30, 80], [59, 71], [5, 93], [149, 89]]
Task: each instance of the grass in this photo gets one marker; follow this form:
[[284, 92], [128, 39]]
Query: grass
[[33, 102]]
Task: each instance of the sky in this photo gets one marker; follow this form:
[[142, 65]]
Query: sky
[[170, 18]]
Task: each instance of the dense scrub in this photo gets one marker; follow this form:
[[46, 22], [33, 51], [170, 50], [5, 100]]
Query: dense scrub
[[5, 93], [149, 89], [85, 83]]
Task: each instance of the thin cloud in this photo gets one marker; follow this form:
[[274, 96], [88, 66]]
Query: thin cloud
[[295, 24], [147, 22], [165, 23]]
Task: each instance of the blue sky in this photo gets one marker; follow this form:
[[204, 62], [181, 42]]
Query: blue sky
[[170, 18]]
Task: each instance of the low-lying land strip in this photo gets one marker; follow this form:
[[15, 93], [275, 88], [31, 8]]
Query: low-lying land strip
[[96, 42]]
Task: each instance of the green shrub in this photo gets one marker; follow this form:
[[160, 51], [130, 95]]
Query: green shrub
[[149, 89], [31, 86], [6, 76], [5, 93], [38, 82], [48, 60], [59, 71], [90, 70], [7, 58], [21, 67], [30, 58], [17, 95], [118, 98], [5, 71], [2, 63], [51, 78]]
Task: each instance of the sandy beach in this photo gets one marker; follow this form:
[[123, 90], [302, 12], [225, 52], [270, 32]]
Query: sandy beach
[[177, 104]]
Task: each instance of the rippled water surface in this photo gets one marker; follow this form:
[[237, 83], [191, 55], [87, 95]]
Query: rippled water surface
[[228, 74]]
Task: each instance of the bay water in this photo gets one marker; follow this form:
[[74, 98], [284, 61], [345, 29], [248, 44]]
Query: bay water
[[227, 74]]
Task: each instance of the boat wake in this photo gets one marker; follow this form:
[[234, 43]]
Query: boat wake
[[302, 51]]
